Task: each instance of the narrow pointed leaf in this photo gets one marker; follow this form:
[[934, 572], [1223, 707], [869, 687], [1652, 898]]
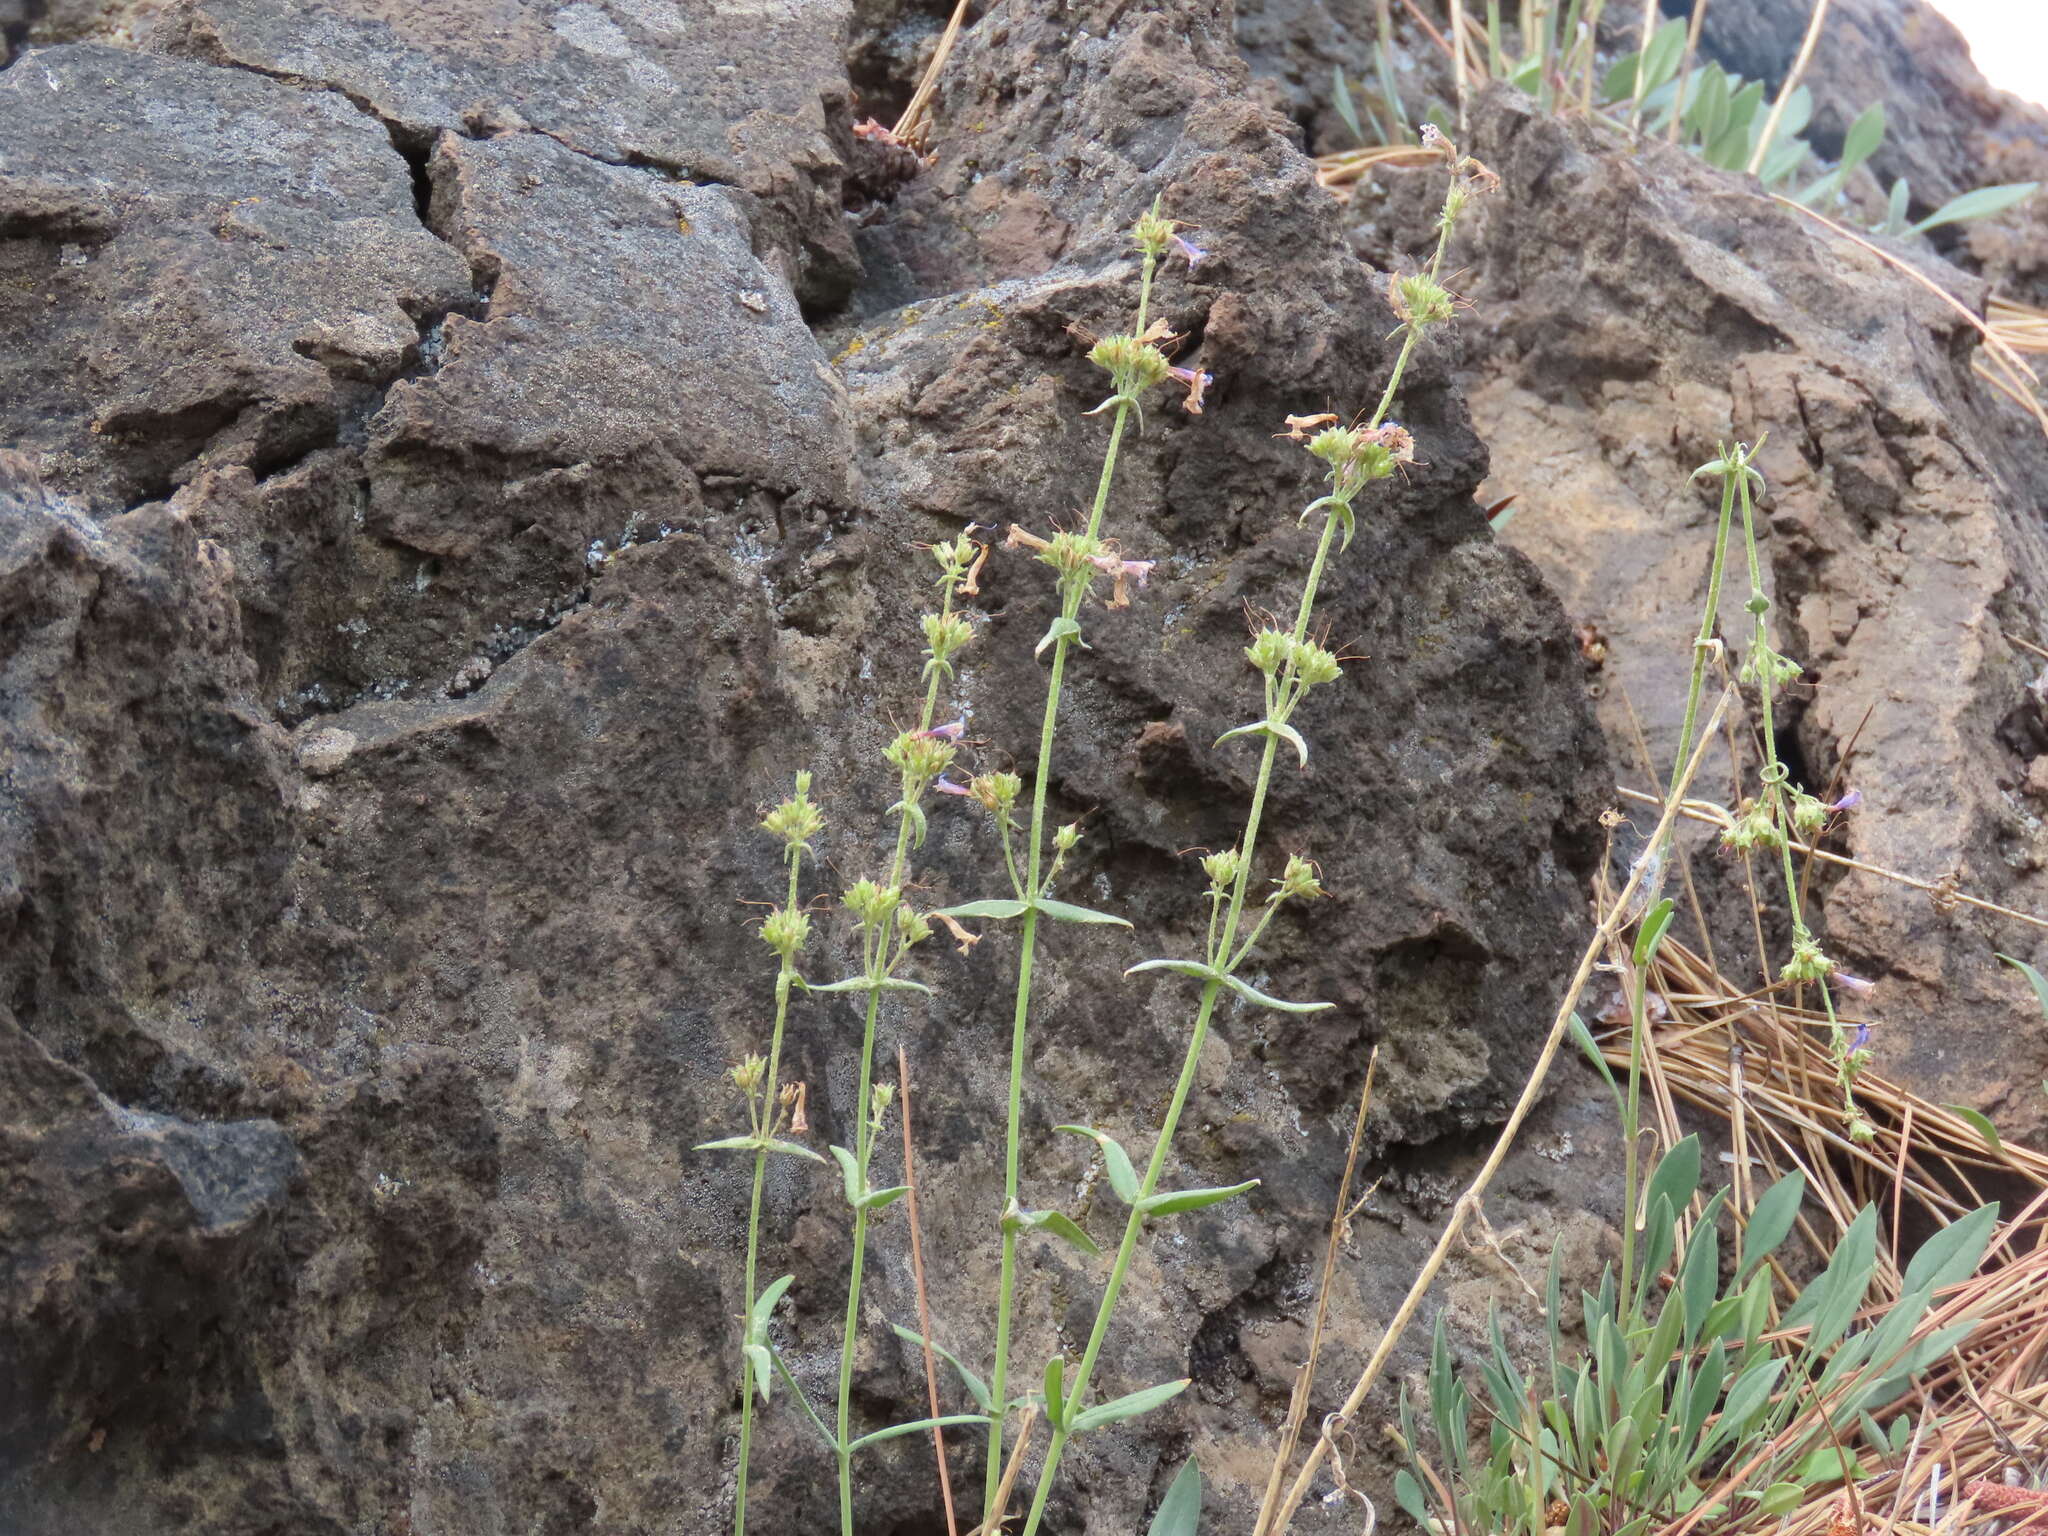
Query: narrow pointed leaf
[[1173, 1202], [851, 1169], [882, 1199], [917, 1426], [730, 1144], [1979, 1122], [1771, 1220], [1180, 1512], [1980, 204], [976, 1387], [762, 1366], [1655, 926], [864, 984], [1193, 968], [1583, 1038], [1056, 1391], [794, 1150], [1258, 999], [764, 1308], [1292, 737], [1123, 1178], [1060, 1225], [1067, 912], [1952, 1254], [1128, 1406], [2034, 979], [1062, 628], [1346, 111], [1256, 728], [994, 907]]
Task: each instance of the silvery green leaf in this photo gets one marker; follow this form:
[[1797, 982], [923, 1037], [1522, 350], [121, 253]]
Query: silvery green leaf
[[851, 1169], [1253, 995], [1194, 968], [976, 1387], [1123, 1178], [882, 1199], [764, 1308], [917, 1426], [1059, 1224], [794, 1150], [1173, 1202], [1067, 912], [1056, 1392], [866, 984], [730, 1144], [996, 907], [1129, 1406], [1980, 204], [1180, 1512], [1771, 1220], [763, 1366], [1062, 628]]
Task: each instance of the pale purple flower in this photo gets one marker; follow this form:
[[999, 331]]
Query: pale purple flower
[[946, 786], [1861, 1039], [1848, 802], [1855, 984], [1194, 253], [1125, 572], [948, 732]]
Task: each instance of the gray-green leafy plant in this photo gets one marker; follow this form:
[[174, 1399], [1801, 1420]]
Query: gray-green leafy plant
[[1634, 1428], [1723, 118], [1290, 663]]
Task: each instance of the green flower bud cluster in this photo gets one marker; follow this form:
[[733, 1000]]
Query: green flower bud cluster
[[796, 821], [955, 558], [1133, 364], [1809, 815], [911, 927], [1357, 456], [1066, 837], [997, 792], [1421, 300], [871, 904], [1298, 882], [944, 635], [1272, 649], [1764, 667], [882, 1097], [920, 757], [1807, 962], [748, 1075], [1755, 827], [786, 931], [1223, 869], [1151, 233]]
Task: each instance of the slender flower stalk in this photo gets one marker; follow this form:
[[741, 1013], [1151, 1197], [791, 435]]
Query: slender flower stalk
[[771, 1109], [1135, 365], [1291, 664], [889, 928]]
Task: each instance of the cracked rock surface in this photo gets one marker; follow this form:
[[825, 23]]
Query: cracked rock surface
[[459, 463]]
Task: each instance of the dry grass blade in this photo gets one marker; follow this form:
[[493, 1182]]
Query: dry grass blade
[[994, 1525], [1999, 363], [1304, 1381], [1346, 167], [1610, 923], [1770, 134], [1768, 1069], [912, 126]]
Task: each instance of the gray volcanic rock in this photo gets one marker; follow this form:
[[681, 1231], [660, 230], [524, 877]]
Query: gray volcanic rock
[[397, 787], [201, 265], [753, 95], [1903, 550]]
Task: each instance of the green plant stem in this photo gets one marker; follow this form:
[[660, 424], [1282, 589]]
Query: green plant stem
[[877, 953], [1134, 1224], [1027, 947], [784, 979]]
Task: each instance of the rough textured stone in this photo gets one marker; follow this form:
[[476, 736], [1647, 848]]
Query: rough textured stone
[[752, 95], [1900, 540], [380, 791]]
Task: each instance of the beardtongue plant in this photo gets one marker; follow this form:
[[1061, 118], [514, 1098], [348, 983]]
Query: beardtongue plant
[[888, 927], [1290, 664]]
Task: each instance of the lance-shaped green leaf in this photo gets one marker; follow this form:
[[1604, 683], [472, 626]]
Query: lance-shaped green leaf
[[1128, 1406], [881, 1199], [1180, 1512], [1171, 1202], [1258, 999], [976, 1387], [1063, 628], [764, 1308], [757, 1144], [1056, 1391], [1979, 1122], [850, 1167], [2034, 979], [1655, 926], [1123, 1178], [1279, 728], [915, 812], [866, 984], [916, 1426], [1770, 1221], [997, 907], [1058, 1223], [1338, 508], [1067, 912], [1194, 968], [762, 1364]]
